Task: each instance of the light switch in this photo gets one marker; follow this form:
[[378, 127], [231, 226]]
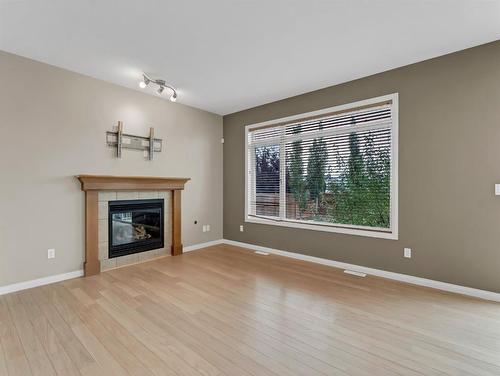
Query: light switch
[[497, 189]]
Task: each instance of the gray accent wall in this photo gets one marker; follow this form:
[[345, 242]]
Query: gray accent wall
[[52, 127], [449, 161]]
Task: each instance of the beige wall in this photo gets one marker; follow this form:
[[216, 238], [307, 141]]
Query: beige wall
[[52, 127], [449, 161]]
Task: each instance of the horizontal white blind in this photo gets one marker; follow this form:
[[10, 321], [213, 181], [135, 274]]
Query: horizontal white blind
[[329, 170]]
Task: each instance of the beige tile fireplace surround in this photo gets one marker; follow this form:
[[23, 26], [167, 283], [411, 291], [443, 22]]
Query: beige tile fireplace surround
[[101, 189], [102, 233]]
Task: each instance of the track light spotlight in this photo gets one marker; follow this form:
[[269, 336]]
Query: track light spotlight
[[145, 82], [161, 86]]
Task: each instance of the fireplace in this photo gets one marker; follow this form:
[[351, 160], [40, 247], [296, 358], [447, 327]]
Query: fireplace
[[104, 185], [135, 226]]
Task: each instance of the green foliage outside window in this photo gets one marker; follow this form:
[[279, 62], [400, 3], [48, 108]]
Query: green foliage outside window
[[295, 178], [345, 188], [361, 192]]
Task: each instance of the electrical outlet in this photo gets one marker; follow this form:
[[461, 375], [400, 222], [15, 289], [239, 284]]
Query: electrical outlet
[[208, 228], [241, 228], [51, 253], [204, 228], [407, 252]]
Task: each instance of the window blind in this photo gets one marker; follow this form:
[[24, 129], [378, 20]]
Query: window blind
[[329, 170]]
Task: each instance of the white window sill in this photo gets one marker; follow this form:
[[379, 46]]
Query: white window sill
[[326, 228]]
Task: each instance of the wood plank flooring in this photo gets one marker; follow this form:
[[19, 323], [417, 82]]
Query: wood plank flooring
[[224, 310]]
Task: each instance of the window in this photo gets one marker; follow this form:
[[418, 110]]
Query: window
[[330, 170]]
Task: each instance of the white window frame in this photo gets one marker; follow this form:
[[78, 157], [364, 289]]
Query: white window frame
[[392, 233]]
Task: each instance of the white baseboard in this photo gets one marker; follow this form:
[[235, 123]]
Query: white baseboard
[[78, 273], [194, 247], [488, 295], [39, 282]]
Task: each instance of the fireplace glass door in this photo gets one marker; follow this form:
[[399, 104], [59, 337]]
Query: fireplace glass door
[[135, 226]]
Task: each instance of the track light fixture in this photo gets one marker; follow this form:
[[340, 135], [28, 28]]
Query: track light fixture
[[162, 85]]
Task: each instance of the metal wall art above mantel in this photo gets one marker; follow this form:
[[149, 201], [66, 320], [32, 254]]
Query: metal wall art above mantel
[[121, 140]]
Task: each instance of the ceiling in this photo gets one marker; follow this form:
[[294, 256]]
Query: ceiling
[[229, 55]]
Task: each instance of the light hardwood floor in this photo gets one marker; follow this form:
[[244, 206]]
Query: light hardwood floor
[[227, 311]]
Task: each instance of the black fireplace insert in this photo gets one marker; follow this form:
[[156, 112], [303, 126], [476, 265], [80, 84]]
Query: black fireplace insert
[[135, 226]]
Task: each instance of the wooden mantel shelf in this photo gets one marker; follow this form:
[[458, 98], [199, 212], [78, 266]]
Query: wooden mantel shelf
[[130, 183], [92, 184]]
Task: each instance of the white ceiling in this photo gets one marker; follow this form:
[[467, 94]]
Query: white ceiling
[[228, 55]]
